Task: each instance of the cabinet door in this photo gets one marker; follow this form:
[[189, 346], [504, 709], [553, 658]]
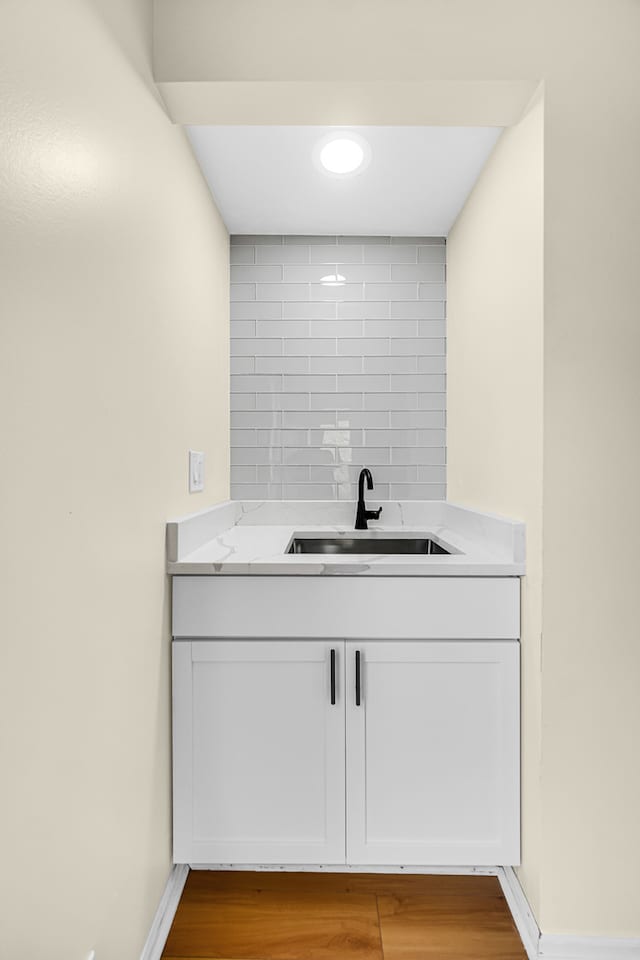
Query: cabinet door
[[433, 753], [259, 752]]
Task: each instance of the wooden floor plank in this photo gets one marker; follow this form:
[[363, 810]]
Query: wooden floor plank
[[242, 915], [203, 883], [448, 928], [274, 925]]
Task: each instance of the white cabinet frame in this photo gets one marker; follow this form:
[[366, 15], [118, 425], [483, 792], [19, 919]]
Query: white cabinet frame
[[437, 730]]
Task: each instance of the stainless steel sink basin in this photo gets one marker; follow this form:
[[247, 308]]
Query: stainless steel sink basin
[[391, 545]]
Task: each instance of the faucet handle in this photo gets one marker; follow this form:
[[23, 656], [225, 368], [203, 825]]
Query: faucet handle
[[374, 514]]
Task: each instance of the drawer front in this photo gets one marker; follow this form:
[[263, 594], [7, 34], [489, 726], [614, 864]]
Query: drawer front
[[421, 608]]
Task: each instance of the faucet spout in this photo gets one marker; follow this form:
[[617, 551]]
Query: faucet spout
[[362, 514]]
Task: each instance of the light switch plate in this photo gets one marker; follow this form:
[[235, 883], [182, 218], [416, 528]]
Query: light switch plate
[[196, 471]]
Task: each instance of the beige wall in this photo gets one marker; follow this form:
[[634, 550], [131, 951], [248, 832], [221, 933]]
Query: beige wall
[[591, 636], [495, 396], [582, 872], [113, 361]]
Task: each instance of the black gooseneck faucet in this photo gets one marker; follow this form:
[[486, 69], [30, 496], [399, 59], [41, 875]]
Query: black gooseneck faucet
[[362, 514]]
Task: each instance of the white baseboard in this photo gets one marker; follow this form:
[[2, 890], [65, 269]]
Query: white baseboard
[[545, 946], [520, 911], [154, 944], [554, 947]]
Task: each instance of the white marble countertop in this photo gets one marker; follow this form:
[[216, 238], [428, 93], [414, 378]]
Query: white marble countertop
[[252, 538]]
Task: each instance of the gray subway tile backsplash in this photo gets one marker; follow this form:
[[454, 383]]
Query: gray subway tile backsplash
[[281, 473], [365, 272], [336, 292], [309, 491], [318, 382], [282, 292], [336, 401], [309, 455], [244, 438], [391, 364], [361, 310], [242, 254], [432, 365], [264, 347], [363, 384], [420, 419], [417, 310], [255, 383], [282, 364], [280, 328], [336, 253], [432, 474], [438, 241], [309, 311], [431, 254], [390, 328], [363, 346], [432, 291], [243, 364], [258, 419], [417, 491], [305, 419], [403, 382], [391, 401], [338, 361], [431, 328], [418, 347], [243, 291], [373, 419], [390, 291], [336, 328], [280, 401], [372, 239], [243, 474], [418, 455], [255, 239], [309, 347], [279, 254], [256, 455], [307, 273], [297, 239], [407, 272], [395, 253], [250, 273], [336, 365], [242, 401]]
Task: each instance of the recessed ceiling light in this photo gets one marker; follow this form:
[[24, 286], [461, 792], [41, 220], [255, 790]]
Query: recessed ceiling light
[[342, 154]]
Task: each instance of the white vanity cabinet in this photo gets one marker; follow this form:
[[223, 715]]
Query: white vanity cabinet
[[334, 751]]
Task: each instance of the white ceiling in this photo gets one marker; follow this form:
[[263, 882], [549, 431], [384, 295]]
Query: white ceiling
[[264, 179]]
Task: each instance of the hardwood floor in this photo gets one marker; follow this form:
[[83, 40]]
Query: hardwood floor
[[321, 916]]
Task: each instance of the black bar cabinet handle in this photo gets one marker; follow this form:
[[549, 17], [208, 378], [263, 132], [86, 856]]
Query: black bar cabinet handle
[[357, 678], [333, 677]]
